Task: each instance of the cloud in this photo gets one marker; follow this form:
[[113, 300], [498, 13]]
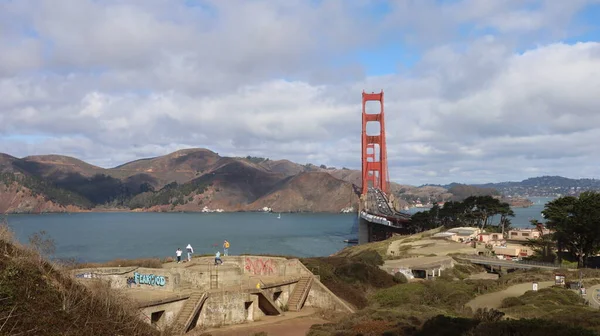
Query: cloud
[[495, 94]]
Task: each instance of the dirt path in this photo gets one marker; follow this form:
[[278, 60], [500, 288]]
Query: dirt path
[[591, 296], [291, 324], [493, 300]]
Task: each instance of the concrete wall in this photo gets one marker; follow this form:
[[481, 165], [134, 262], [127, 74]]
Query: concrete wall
[[363, 231], [281, 294], [321, 297], [227, 308], [170, 311], [132, 277]]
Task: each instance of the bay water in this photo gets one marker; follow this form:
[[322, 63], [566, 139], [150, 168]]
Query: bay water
[[97, 237]]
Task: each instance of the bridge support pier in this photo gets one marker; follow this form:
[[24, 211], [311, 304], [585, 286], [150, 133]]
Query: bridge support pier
[[371, 232]]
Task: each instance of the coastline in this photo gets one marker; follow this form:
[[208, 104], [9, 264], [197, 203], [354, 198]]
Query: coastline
[[117, 210]]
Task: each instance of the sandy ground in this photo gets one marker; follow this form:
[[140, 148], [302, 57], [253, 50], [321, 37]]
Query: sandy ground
[[429, 246], [493, 300], [292, 324]]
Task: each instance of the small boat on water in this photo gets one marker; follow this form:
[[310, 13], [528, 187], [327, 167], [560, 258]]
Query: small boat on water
[[279, 216], [351, 241]]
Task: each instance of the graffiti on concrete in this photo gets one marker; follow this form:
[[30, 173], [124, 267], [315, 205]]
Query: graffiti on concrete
[[87, 275], [260, 266], [130, 281], [148, 279]]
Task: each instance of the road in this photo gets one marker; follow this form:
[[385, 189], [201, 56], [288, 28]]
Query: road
[[506, 263], [493, 300]]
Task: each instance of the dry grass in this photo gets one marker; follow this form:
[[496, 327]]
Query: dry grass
[[142, 262], [36, 298]]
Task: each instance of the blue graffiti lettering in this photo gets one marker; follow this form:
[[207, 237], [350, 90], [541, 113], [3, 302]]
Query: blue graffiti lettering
[[149, 279]]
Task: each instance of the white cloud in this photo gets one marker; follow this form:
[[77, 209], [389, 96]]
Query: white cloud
[[110, 82]]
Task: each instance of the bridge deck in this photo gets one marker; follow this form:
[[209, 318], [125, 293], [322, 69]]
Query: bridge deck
[[378, 210], [489, 261]]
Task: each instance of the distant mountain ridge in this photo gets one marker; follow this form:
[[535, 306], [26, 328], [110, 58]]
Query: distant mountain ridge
[[538, 186], [198, 179], [194, 179]]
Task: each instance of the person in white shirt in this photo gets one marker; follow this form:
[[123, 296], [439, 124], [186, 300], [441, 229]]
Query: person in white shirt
[[190, 250], [218, 258], [178, 253]]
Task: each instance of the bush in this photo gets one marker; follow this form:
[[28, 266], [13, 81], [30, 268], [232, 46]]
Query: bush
[[530, 327], [447, 326], [511, 302], [350, 278], [400, 278], [369, 257]]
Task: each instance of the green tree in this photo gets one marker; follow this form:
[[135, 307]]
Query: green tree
[[543, 246], [576, 222]]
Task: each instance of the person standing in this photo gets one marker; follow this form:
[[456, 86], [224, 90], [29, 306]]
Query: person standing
[[218, 258], [178, 253], [190, 250], [225, 248]]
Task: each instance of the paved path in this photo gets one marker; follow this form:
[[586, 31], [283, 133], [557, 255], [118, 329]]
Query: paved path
[[493, 300], [290, 324]]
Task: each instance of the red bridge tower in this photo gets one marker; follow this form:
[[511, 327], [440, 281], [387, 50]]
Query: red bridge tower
[[374, 153]]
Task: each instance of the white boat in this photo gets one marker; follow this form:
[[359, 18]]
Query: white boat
[[279, 216]]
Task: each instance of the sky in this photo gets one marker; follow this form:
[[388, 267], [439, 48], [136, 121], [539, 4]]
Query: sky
[[475, 90]]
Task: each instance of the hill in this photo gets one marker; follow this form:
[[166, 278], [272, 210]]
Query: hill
[[545, 186], [180, 166], [37, 298], [309, 192], [192, 179]]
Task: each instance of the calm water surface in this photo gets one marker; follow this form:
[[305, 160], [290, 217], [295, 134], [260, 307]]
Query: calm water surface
[[97, 237]]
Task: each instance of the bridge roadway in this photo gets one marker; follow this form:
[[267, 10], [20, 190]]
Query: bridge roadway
[[379, 211], [507, 264], [378, 220]]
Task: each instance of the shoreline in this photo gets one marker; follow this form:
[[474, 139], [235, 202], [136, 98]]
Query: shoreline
[[169, 212]]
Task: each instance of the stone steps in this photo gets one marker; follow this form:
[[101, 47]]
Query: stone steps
[[187, 313], [299, 294]]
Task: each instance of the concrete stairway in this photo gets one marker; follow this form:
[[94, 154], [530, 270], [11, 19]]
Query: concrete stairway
[[300, 293], [190, 309]]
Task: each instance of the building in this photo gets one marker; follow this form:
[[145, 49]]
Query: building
[[492, 237], [459, 234], [523, 234], [512, 251]]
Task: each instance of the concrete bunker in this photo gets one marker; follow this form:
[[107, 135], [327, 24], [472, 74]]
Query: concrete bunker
[[199, 295]]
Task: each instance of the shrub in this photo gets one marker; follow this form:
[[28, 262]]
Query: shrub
[[533, 327], [447, 326], [400, 278], [369, 257], [511, 302]]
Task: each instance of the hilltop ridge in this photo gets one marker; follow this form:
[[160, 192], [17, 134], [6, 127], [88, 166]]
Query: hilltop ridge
[[198, 179]]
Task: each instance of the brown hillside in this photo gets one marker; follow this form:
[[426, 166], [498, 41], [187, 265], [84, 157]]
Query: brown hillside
[[7, 164], [37, 298], [57, 166], [181, 166], [285, 167], [15, 198], [309, 192], [233, 184], [348, 175]]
